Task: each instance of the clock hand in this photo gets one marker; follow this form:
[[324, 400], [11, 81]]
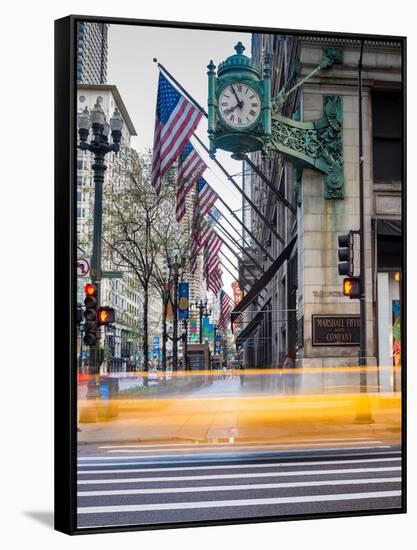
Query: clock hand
[[228, 111], [239, 102]]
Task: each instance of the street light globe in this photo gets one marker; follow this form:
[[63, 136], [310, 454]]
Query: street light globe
[[116, 121], [83, 120], [106, 129], [97, 114]]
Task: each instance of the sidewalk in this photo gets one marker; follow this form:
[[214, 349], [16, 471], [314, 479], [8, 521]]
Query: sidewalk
[[245, 419]]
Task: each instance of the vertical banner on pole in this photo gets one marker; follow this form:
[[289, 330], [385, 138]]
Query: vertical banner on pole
[[192, 329], [183, 300], [208, 330]]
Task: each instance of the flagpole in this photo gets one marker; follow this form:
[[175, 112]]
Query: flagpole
[[225, 232], [229, 177], [237, 269], [271, 186], [244, 227], [244, 241], [183, 90], [238, 258], [235, 254], [244, 195], [228, 270]]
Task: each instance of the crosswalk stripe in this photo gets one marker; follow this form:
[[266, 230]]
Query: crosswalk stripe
[[225, 458], [238, 487], [227, 466], [323, 449], [244, 447], [227, 444], [234, 503], [241, 475]]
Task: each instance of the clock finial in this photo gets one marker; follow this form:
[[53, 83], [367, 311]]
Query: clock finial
[[240, 48]]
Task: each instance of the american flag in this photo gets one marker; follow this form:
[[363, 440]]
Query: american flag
[[176, 119], [211, 256], [215, 281], [191, 168], [206, 196], [226, 306], [205, 227]]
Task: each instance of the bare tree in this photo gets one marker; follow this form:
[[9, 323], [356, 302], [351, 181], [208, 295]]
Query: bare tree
[[133, 214], [174, 239]]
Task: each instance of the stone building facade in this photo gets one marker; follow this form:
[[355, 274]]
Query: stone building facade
[[308, 283]]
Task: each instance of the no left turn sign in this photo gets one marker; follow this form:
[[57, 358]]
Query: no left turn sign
[[83, 267]]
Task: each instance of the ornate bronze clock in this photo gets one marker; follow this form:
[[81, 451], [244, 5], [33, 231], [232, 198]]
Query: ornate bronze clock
[[243, 118], [239, 106]]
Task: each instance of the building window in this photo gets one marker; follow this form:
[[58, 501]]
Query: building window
[[387, 134]]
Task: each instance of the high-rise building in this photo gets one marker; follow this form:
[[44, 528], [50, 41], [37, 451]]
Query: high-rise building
[[92, 46]]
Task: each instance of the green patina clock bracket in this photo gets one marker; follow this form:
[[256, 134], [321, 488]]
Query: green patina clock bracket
[[316, 144]]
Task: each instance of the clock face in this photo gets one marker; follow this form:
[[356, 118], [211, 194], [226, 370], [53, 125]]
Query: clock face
[[239, 105]]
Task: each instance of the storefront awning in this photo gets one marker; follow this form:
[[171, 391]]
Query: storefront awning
[[388, 228], [263, 281]]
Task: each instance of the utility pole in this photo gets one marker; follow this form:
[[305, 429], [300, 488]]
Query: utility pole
[[362, 301], [185, 344]]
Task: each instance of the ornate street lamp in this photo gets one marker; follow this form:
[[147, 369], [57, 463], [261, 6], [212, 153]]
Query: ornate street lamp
[[93, 131]]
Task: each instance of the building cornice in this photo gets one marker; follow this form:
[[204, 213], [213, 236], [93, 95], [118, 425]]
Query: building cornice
[[352, 42], [118, 98]]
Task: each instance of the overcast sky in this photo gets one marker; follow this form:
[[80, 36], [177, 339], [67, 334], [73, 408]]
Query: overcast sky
[[186, 54]]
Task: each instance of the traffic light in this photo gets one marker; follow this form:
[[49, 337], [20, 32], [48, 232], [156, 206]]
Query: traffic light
[[352, 287], [105, 315], [345, 254], [90, 314]]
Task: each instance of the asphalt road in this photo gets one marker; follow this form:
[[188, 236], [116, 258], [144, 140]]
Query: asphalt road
[[136, 485]]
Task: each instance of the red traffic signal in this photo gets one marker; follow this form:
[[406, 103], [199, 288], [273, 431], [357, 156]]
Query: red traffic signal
[[90, 314], [352, 287], [105, 315], [90, 289]]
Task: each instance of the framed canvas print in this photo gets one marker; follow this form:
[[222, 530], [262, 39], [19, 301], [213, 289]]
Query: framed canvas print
[[230, 274]]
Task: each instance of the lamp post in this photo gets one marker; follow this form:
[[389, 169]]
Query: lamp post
[[93, 131], [203, 312], [185, 344], [174, 265]]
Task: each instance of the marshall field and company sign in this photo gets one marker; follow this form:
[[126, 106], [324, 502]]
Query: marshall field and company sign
[[336, 330]]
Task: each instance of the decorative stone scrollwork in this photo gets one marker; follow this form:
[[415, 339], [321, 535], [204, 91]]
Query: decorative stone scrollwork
[[316, 144]]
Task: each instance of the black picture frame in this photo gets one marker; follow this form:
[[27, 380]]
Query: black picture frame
[[65, 275]]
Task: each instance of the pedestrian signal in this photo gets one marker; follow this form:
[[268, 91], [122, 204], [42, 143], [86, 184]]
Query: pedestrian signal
[[106, 315], [352, 287]]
